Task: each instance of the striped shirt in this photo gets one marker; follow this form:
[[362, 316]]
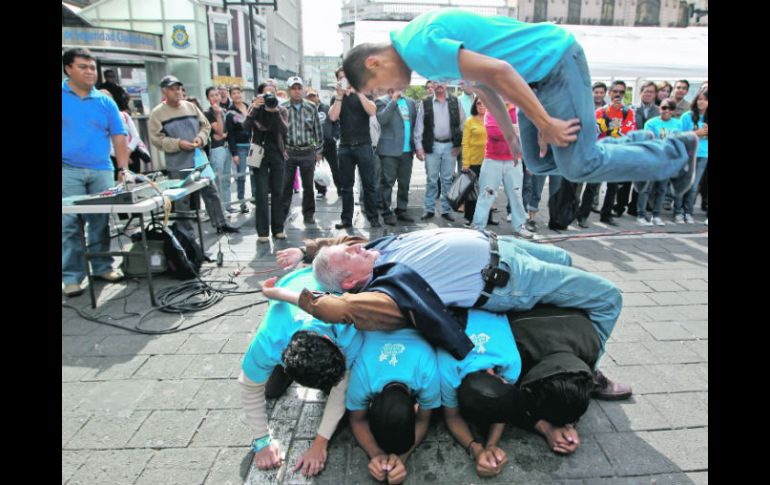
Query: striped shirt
[[304, 126]]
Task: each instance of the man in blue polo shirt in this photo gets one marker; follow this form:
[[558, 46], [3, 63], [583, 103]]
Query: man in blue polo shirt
[[542, 70], [392, 372], [90, 120], [275, 341]]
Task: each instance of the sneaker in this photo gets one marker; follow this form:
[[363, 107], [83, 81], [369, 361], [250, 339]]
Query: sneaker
[[608, 220], [689, 219], [389, 219], [523, 233], [263, 239], [227, 228], [448, 217], [72, 290], [658, 221], [508, 218], [112, 276], [679, 219], [427, 216], [531, 225], [280, 235], [706, 221], [232, 210], [343, 225], [643, 221], [684, 181], [582, 223], [403, 217], [320, 195], [244, 209]]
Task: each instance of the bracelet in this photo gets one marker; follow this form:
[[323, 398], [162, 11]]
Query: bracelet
[[259, 443], [468, 448]]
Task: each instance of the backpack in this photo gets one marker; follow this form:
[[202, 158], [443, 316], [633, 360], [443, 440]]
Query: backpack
[[563, 206], [184, 256]]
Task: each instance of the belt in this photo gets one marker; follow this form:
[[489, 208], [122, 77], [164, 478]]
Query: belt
[[442, 141], [494, 260]]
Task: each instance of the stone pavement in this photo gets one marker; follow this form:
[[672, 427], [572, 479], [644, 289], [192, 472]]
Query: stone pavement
[[165, 409]]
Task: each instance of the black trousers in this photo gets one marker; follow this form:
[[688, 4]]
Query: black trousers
[[269, 178], [330, 154], [306, 170], [623, 193], [588, 199]]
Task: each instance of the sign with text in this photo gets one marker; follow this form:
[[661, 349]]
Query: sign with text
[[125, 39]]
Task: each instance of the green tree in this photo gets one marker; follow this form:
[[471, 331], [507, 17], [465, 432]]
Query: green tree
[[415, 92]]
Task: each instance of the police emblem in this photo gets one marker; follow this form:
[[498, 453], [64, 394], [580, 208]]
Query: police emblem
[[179, 37]]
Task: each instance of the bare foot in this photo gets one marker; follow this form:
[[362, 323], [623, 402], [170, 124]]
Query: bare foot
[[563, 440]]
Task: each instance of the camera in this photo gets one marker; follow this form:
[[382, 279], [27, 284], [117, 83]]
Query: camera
[[344, 84], [270, 100]]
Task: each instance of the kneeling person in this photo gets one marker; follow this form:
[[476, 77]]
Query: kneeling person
[[315, 354], [394, 373]]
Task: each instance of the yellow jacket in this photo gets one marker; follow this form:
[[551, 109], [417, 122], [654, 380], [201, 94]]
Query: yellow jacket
[[474, 141]]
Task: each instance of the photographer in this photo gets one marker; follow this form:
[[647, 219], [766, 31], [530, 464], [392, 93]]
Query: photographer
[[268, 124]]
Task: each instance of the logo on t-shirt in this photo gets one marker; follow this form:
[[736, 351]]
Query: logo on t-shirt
[[391, 350], [478, 341]]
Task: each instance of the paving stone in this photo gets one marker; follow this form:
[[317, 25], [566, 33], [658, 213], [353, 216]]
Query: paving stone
[[164, 367], [212, 366], [595, 420], [114, 368], [203, 343], [237, 324], [679, 377], [178, 466], [336, 463], [672, 352], [167, 429], [687, 448], [634, 414], [695, 297], [700, 329], [217, 394], [73, 368], [668, 331], [138, 344], [664, 314], [76, 325], [238, 343], [668, 298], [169, 394], [663, 285], [638, 299], [700, 348], [686, 409], [628, 332], [438, 432], [281, 432], [287, 406], [693, 285], [231, 467], [113, 467], [102, 397], [630, 454], [71, 461], [223, 428], [71, 424], [171, 476], [630, 353], [79, 345], [634, 287], [693, 312], [107, 432], [307, 427], [699, 478]]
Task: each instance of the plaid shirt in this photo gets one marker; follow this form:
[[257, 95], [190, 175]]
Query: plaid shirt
[[304, 127]]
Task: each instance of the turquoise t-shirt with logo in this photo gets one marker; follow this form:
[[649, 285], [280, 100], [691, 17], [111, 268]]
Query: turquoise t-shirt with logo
[[398, 356], [403, 108], [283, 319], [688, 125], [663, 128], [494, 348], [430, 44]]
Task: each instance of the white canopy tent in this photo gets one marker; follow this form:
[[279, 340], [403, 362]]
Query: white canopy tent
[[633, 54]]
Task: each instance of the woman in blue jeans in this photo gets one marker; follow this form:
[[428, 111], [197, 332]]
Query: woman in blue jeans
[[238, 139], [697, 119]]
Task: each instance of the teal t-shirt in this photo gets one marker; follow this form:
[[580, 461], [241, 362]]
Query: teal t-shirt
[[430, 44], [688, 125], [398, 356], [494, 347], [663, 128], [403, 108], [283, 319]]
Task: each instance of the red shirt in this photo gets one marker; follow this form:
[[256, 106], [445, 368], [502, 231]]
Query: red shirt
[[497, 147], [611, 122]]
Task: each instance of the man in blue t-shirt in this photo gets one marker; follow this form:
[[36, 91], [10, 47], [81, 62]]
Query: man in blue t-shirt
[[315, 354], [392, 372], [90, 121], [542, 65]]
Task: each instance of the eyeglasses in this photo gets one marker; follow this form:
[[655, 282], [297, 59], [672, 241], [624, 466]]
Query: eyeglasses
[[615, 91], [666, 108]]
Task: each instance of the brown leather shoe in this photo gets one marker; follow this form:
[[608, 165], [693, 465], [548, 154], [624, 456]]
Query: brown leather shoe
[[608, 390]]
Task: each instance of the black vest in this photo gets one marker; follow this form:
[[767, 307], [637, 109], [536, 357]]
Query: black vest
[[454, 123]]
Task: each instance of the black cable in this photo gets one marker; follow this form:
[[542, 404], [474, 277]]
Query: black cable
[[612, 234]]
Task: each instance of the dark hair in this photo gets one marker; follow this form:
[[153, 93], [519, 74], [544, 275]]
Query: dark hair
[[668, 102], [337, 72], [599, 84], [118, 95], [234, 87], [647, 84], [559, 399], [313, 360], [109, 71], [619, 83], [391, 418], [69, 56], [209, 89], [694, 112], [685, 82], [195, 101], [484, 398], [355, 70], [474, 108]]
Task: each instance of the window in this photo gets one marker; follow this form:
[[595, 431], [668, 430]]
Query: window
[[648, 13], [573, 12], [541, 11], [221, 37], [223, 69], [608, 12]]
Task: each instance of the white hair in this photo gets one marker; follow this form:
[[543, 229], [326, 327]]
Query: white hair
[[330, 278]]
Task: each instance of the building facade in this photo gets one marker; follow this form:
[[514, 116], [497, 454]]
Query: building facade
[[284, 35], [628, 13], [326, 66]]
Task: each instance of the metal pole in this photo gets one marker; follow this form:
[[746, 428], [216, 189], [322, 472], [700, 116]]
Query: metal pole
[[253, 48]]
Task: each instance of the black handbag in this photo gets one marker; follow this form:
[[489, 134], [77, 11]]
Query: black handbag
[[465, 187], [563, 206]]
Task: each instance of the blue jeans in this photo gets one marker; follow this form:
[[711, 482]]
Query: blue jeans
[[219, 158], [543, 274], [565, 93], [658, 190], [440, 162], [533, 190], [492, 173], [226, 181], [687, 201], [83, 181], [243, 152]]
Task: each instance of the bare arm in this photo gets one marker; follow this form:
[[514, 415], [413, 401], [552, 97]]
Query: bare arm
[[121, 150], [502, 78], [368, 104]]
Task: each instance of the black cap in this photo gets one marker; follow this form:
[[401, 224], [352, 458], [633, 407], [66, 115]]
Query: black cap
[[169, 81], [392, 417]]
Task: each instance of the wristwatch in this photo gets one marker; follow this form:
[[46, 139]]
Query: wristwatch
[[259, 443]]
